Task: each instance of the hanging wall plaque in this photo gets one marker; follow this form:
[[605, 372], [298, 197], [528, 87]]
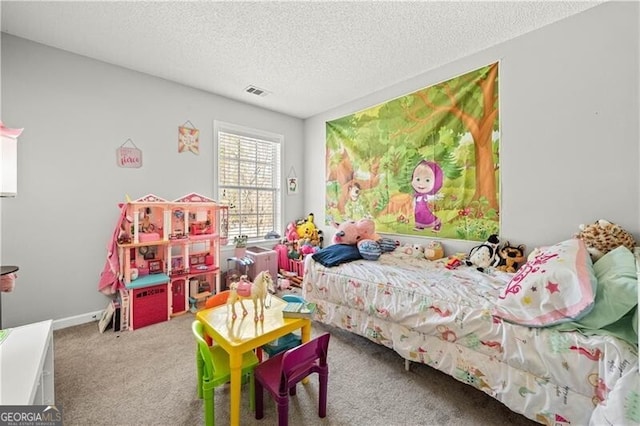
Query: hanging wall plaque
[[129, 156], [188, 138], [292, 182]]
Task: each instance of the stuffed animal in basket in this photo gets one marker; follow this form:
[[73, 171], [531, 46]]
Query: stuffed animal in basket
[[511, 257], [291, 232], [484, 255], [603, 236], [306, 229]]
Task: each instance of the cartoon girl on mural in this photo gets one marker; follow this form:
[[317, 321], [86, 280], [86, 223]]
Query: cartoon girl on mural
[[426, 181]]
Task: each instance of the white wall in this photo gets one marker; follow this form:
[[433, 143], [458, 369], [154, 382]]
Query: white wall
[[76, 112], [570, 128]]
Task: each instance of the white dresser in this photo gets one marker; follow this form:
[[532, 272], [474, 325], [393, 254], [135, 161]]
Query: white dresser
[[26, 365]]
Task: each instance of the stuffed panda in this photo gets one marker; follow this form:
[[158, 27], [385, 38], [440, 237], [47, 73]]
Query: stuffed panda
[[484, 255]]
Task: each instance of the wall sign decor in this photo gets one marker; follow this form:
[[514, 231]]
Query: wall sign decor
[[424, 164], [129, 157], [292, 182], [188, 138]]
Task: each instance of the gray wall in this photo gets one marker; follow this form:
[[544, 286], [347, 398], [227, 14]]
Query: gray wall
[[570, 148], [569, 116], [76, 112]]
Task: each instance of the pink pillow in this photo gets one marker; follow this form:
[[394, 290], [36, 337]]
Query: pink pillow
[[555, 286]]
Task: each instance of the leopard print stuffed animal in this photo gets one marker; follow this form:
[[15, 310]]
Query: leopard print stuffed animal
[[603, 236]]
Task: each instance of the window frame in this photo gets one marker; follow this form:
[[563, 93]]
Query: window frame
[[244, 131]]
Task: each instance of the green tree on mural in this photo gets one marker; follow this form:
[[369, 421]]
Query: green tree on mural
[[465, 109]]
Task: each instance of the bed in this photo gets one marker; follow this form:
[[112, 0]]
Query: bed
[[551, 369]]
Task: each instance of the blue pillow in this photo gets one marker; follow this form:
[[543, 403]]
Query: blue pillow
[[336, 254]]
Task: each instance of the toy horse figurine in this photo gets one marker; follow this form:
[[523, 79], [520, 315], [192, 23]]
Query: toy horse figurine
[[258, 291]]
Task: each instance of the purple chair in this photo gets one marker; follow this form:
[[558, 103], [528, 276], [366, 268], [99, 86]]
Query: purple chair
[[280, 374]]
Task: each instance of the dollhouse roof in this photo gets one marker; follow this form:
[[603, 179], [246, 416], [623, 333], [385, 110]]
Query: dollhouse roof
[[194, 198], [150, 198]]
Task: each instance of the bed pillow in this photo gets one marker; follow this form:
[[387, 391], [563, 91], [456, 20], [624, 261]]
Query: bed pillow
[[617, 290], [336, 254], [557, 285]]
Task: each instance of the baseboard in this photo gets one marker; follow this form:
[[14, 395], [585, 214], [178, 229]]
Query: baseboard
[[76, 320]]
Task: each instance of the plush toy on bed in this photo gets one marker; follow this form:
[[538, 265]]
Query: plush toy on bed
[[347, 233], [361, 234], [369, 246], [484, 255], [413, 249], [603, 236], [511, 257], [367, 228], [434, 250]]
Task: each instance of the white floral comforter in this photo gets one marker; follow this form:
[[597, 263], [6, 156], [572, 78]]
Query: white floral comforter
[[442, 318]]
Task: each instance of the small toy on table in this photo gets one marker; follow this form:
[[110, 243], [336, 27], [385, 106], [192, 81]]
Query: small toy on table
[[258, 290]]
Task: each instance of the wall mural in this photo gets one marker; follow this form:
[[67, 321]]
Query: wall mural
[[425, 164]]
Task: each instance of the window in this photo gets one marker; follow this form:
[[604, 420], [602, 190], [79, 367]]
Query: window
[[248, 178]]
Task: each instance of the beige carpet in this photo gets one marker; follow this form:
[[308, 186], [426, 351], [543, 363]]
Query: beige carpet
[[147, 377]]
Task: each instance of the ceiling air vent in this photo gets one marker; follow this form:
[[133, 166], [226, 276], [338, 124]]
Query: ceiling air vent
[[256, 91]]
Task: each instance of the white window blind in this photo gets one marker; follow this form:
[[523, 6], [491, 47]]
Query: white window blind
[[249, 180]]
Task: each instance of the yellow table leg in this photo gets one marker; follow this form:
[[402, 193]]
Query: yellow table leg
[[306, 332], [235, 362]]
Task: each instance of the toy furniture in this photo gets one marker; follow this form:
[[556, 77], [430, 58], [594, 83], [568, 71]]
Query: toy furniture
[[212, 369], [238, 337], [27, 370], [448, 319], [217, 299], [263, 260], [169, 255], [213, 301], [221, 299], [289, 341], [280, 374]]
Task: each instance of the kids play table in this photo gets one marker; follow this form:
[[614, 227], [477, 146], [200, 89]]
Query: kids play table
[[244, 334]]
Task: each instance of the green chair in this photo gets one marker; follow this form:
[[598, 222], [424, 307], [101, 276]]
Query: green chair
[[213, 370]]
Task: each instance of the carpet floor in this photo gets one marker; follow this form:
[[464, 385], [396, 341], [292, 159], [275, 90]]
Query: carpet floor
[[147, 377]]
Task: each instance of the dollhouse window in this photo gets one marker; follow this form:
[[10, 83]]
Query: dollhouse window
[[249, 179]]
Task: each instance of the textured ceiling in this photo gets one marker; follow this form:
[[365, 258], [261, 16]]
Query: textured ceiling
[[309, 56]]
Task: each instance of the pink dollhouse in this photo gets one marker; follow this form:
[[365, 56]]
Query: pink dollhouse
[[169, 253]]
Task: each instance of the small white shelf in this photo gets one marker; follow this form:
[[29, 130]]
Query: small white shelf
[[26, 365]]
